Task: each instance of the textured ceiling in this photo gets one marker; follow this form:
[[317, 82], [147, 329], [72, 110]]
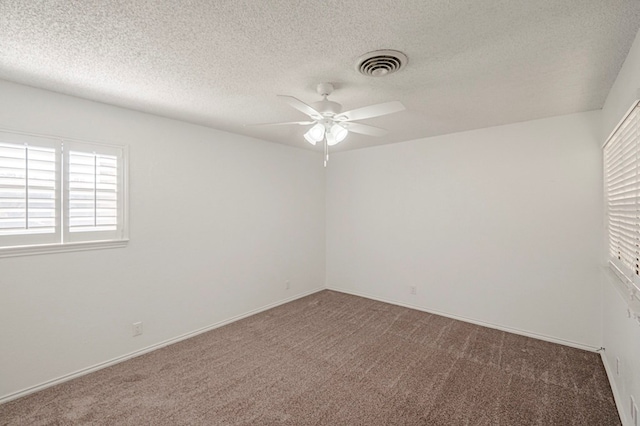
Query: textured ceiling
[[472, 64]]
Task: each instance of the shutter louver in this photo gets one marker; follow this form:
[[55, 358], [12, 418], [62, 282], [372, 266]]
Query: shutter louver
[[27, 189], [93, 192], [622, 192]]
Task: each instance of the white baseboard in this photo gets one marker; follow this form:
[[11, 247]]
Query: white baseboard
[[99, 366], [473, 321], [622, 412]]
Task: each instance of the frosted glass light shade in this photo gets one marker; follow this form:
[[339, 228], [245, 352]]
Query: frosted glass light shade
[[315, 134], [339, 132], [331, 140], [309, 139]]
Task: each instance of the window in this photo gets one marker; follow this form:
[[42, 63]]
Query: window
[[60, 194], [622, 197]]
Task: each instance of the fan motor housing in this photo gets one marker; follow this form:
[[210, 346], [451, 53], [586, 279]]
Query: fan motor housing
[[327, 108]]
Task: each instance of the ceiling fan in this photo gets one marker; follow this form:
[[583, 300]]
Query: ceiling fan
[[331, 125]]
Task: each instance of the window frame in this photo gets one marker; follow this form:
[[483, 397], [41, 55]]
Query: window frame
[[21, 246]]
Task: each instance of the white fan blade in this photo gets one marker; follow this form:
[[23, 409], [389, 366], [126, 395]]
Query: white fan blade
[[363, 129], [371, 111], [301, 123], [301, 106]]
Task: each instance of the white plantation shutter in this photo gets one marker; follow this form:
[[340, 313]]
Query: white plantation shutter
[[29, 190], [622, 193], [54, 193], [94, 201]]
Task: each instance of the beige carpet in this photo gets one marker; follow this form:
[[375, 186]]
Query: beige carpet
[[336, 359]]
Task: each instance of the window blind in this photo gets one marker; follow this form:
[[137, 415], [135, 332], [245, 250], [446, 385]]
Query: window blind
[[622, 193]]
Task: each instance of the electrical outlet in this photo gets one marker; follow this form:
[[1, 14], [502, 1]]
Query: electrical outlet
[[413, 289], [617, 366], [136, 328], [287, 285]]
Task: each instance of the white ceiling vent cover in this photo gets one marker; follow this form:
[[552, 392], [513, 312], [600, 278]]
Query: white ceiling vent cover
[[381, 62]]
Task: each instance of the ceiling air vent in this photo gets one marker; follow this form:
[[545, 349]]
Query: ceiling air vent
[[381, 62]]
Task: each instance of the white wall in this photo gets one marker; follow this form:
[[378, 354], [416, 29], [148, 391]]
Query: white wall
[[500, 226], [218, 223], [621, 337]]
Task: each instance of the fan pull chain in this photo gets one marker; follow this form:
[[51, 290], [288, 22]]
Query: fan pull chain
[[326, 153]]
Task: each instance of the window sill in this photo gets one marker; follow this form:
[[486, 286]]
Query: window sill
[[60, 248], [629, 292]]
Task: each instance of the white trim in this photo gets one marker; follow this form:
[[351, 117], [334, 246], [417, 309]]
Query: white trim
[[473, 321], [125, 192], [622, 120], [101, 365], [60, 248], [622, 412]]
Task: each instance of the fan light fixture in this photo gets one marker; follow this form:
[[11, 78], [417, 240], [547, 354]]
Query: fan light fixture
[[338, 132], [334, 135], [315, 134], [310, 139], [332, 125]]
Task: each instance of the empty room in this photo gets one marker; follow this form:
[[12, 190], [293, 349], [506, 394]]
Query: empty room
[[320, 213]]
